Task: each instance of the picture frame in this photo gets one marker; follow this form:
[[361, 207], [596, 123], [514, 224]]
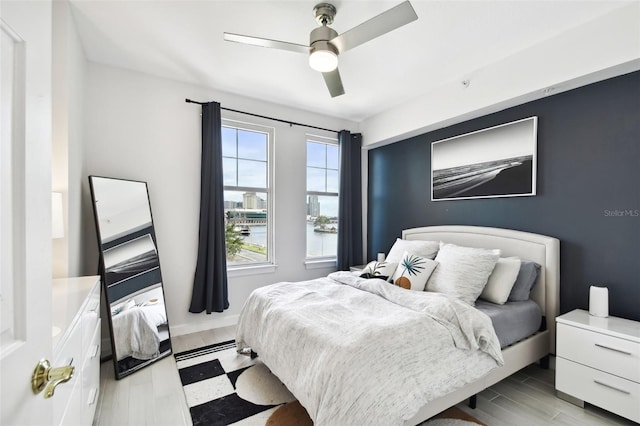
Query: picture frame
[[498, 161]]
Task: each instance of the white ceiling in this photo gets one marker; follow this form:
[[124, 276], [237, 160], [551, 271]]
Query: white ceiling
[[182, 40]]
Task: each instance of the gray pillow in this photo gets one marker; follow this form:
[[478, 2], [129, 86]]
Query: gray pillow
[[526, 280]]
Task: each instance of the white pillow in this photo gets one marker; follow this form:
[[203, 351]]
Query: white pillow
[[384, 270], [413, 271], [462, 272], [427, 249], [501, 280]]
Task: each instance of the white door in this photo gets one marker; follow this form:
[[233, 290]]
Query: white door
[[25, 213]]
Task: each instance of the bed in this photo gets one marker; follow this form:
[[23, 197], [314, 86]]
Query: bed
[[261, 329], [541, 249]]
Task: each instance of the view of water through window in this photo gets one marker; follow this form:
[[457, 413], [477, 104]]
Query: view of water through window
[[318, 243]]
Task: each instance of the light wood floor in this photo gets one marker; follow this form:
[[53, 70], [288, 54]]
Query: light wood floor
[[153, 395]]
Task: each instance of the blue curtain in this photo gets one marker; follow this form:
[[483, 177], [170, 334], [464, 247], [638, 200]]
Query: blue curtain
[[350, 210], [210, 283]]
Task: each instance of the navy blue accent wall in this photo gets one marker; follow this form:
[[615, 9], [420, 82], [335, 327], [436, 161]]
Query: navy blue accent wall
[[588, 189]]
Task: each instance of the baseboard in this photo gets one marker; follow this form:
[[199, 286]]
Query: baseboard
[[213, 323]]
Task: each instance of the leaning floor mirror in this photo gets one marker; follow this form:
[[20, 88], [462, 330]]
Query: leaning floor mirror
[[131, 277]]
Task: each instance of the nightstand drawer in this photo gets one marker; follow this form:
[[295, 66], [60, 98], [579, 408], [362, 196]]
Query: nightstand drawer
[[607, 353], [617, 395]]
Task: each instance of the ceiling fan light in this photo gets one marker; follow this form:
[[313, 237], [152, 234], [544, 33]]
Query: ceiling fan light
[[323, 60]]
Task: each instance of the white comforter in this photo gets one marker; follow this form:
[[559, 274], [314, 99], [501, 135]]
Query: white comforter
[[357, 351]]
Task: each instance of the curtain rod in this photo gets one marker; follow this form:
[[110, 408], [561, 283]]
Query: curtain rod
[[290, 123]]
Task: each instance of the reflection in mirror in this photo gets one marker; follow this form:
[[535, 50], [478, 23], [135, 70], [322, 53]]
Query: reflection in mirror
[[130, 269]]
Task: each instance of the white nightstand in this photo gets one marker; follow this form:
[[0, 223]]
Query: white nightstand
[[598, 361], [357, 268]]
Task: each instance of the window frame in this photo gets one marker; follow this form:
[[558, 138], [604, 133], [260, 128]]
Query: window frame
[[250, 268], [313, 262]]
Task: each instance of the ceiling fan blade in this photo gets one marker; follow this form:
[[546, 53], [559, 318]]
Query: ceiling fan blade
[[333, 82], [265, 42], [387, 21]]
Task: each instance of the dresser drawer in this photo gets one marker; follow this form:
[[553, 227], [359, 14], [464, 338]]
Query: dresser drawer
[[607, 353], [66, 410], [91, 377], [611, 392], [90, 314]]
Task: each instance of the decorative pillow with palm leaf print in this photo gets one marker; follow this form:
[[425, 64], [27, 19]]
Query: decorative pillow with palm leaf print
[[382, 270], [413, 271]]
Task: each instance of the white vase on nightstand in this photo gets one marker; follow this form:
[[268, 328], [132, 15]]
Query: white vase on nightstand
[[599, 301]]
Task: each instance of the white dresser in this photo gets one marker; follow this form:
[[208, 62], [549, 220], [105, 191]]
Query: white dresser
[[76, 341], [598, 361]]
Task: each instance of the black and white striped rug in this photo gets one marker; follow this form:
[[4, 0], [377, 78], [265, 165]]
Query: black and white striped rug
[[223, 387]]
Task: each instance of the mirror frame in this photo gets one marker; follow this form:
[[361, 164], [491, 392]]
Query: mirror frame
[[120, 373]]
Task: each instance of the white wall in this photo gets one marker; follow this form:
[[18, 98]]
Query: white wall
[[139, 127], [603, 48], [68, 69]]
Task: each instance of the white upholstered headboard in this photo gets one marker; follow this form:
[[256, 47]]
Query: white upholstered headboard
[[541, 249]]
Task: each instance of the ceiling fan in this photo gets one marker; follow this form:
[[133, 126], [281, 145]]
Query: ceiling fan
[[325, 44]]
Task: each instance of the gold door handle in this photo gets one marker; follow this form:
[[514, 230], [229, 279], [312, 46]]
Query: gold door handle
[[47, 378]]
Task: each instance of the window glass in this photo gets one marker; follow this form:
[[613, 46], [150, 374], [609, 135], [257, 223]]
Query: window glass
[[316, 154], [322, 199], [252, 173], [252, 145], [230, 171], [316, 179], [332, 157], [229, 146], [332, 181], [246, 171], [247, 231], [322, 226]]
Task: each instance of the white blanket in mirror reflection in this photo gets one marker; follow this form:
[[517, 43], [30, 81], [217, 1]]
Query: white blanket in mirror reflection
[[135, 328]]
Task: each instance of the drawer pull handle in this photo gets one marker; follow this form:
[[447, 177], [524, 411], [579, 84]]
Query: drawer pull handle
[[611, 387], [93, 351], [613, 349], [93, 307], [92, 397]]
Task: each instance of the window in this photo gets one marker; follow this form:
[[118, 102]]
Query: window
[[247, 196], [322, 197]]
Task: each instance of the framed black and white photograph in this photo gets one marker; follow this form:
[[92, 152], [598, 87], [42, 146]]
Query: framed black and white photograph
[[496, 162]]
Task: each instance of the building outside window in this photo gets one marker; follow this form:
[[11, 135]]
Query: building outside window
[[246, 150], [322, 197]]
